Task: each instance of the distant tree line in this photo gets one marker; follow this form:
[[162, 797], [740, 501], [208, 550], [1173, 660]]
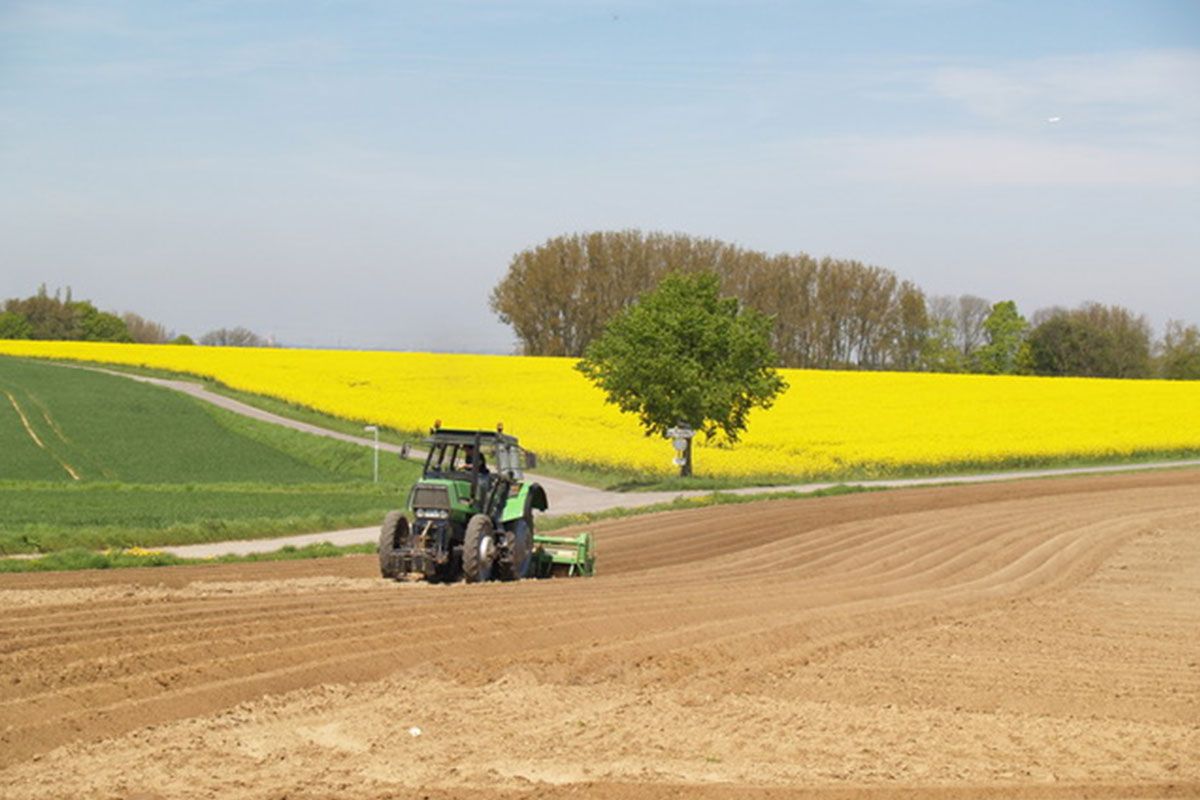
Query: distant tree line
[[828, 313], [61, 317], [43, 316]]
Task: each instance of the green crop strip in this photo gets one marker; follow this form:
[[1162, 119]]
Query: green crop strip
[[156, 468]]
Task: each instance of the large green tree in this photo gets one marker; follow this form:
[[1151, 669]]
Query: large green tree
[[684, 354]]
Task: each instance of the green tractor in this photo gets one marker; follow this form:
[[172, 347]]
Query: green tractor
[[464, 520]]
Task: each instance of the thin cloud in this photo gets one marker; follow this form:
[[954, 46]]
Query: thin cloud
[[1152, 88], [1104, 120], [985, 160]]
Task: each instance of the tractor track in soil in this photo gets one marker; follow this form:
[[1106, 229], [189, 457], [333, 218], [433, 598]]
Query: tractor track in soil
[[1028, 639]]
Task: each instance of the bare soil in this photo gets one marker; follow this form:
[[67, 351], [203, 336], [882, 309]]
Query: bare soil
[[1036, 639]]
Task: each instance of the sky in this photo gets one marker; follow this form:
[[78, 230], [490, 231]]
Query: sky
[[360, 174]]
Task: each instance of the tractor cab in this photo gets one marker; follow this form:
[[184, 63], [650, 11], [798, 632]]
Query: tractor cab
[[478, 458]]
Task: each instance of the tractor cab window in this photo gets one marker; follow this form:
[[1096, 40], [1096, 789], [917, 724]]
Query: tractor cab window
[[461, 454], [455, 458], [445, 458]]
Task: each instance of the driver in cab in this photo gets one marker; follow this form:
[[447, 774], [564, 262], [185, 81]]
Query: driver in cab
[[468, 456]]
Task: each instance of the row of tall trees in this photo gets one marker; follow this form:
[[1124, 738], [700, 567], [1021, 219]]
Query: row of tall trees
[[827, 313]]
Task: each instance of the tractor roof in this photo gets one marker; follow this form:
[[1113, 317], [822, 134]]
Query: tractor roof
[[462, 436]]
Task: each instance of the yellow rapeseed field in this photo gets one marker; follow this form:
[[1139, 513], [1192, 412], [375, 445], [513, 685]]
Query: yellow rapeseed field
[[827, 423]]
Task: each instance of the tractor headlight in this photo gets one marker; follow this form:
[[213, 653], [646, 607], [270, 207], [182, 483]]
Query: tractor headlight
[[433, 513]]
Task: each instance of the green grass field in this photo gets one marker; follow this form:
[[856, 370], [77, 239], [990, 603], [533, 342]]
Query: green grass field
[[95, 460]]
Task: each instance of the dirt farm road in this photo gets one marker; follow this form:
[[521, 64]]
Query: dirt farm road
[[1031, 639]]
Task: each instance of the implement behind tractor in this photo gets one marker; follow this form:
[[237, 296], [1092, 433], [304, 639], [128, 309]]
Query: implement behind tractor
[[562, 556], [464, 520]]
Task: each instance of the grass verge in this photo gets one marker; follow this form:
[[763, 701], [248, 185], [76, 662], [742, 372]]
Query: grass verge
[[79, 558]]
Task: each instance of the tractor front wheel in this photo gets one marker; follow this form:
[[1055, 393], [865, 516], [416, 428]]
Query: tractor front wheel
[[479, 549]]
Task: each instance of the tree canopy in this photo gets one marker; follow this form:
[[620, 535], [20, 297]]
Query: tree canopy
[[233, 337], [1179, 353], [43, 316], [1005, 331], [145, 331], [684, 354], [1094, 340], [14, 326], [825, 313]]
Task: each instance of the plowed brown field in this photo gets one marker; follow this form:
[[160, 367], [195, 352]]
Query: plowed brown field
[[1031, 639]]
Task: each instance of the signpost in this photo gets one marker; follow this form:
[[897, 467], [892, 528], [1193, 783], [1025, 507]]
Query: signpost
[[681, 439]]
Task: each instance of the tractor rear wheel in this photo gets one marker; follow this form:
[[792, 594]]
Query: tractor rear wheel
[[395, 528], [479, 549], [520, 550]]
